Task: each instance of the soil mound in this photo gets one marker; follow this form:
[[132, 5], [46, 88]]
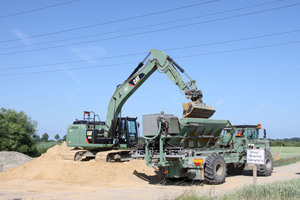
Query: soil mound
[[52, 166], [9, 159]]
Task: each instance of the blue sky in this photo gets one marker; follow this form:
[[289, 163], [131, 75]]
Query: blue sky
[[244, 56]]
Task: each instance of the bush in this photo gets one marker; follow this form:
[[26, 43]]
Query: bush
[[17, 132]]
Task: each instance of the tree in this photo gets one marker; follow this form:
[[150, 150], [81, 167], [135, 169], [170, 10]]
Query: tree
[[36, 137], [17, 132], [56, 137], [45, 137], [65, 138]]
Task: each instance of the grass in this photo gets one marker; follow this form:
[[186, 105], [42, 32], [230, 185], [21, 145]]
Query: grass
[[287, 155], [44, 146], [276, 191], [287, 152]]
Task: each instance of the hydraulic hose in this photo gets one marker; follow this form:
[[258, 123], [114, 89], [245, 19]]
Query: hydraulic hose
[[154, 137]]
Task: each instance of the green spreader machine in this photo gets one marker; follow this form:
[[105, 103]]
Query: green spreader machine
[[201, 149]]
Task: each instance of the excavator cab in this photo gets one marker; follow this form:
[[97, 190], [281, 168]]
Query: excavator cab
[[89, 132], [126, 131]]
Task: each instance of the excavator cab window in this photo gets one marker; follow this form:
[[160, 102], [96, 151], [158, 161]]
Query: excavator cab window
[[132, 132], [122, 131], [127, 131]]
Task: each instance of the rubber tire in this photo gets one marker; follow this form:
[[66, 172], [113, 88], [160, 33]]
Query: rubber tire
[[267, 168], [215, 169]]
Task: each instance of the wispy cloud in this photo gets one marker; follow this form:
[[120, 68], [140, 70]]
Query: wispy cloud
[[70, 74], [21, 36], [89, 53]]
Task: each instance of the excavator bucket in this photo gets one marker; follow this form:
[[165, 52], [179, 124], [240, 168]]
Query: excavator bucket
[[197, 110]]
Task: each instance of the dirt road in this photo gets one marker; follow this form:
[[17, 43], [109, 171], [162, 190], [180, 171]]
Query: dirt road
[[142, 186]]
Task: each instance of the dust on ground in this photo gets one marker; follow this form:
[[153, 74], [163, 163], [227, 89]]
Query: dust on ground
[[52, 177]]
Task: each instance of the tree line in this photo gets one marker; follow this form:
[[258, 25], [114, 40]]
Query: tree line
[[18, 133], [288, 142], [45, 138]]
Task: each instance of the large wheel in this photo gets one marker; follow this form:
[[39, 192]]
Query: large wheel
[[267, 168], [215, 169]]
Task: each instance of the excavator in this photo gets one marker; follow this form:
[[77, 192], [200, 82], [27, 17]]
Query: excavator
[[105, 141]]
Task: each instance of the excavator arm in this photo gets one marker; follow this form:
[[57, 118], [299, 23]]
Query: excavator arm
[[159, 61]]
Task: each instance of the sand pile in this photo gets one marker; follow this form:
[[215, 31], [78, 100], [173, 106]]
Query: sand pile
[[52, 166], [9, 159]]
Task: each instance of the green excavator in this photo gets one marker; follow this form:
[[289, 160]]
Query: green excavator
[[104, 141]]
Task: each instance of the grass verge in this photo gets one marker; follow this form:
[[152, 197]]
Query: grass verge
[[276, 191], [286, 161]]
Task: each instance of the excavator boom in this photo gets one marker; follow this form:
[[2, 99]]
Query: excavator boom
[[159, 61]]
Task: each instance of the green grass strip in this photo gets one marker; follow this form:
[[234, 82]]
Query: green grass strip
[[287, 190], [286, 161], [275, 191]]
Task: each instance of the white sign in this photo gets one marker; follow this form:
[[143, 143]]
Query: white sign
[[256, 156]]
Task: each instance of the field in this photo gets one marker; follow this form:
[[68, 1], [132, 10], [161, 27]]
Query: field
[[287, 152], [287, 155], [44, 146]]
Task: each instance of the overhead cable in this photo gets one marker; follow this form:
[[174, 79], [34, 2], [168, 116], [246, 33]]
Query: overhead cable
[[177, 57], [170, 49], [141, 27], [37, 9], [157, 30], [114, 21]]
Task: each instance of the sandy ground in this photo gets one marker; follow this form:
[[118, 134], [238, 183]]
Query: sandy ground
[[51, 177]]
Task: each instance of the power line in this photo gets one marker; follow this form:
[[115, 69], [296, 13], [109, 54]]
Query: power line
[[74, 61], [241, 49], [37, 9], [202, 54], [170, 49], [114, 21], [157, 30], [146, 26], [235, 40], [64, 69]]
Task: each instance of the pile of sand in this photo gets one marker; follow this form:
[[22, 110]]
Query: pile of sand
[[52, 166], [9, 159]]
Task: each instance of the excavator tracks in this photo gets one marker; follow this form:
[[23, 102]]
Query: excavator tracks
[[79, 155], [113, 156], [101, 156]]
